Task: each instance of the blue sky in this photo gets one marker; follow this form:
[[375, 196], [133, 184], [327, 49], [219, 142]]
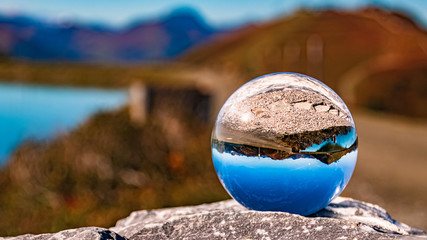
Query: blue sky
[[217, 13]]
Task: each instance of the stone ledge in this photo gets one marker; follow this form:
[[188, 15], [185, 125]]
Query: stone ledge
[[344, 218]]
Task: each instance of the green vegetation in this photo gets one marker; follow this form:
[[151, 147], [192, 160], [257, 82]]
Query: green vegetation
[[102, 171], [93, 75]]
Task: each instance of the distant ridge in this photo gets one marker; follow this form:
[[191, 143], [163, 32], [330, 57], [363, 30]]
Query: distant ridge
[[161, 39]]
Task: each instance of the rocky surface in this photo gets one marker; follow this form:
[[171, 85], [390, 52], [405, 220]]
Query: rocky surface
[[273, 109], [262, 106], [78, 233], [344, 218]]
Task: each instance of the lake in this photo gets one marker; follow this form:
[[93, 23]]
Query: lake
[[40, 112]]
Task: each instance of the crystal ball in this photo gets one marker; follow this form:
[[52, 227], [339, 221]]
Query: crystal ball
[[284, 142]]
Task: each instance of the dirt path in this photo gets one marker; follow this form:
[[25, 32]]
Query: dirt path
[[392, 166]]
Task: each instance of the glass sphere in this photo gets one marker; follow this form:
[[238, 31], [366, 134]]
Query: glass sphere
[[284, 142]]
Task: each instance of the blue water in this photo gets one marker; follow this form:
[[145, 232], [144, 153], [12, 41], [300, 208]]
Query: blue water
[[32, 111], [343, 140], [302, 186]]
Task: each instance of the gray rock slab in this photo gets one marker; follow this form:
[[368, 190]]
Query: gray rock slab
[[73, 234], [344, 218]]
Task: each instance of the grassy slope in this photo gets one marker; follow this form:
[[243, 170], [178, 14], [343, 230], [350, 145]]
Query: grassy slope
[[102, 171], [355, 45], [399, 90], [93, 75]]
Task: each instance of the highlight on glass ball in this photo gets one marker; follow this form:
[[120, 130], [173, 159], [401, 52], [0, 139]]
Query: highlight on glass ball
[[284, 142]]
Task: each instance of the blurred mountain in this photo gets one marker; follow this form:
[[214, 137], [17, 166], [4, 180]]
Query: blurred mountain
[[163, 38], [372, 57]]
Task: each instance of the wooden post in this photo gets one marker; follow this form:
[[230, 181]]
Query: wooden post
[[138, 102], [315, 56]]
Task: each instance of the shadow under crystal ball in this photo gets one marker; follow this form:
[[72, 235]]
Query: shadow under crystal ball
[[284, 142]]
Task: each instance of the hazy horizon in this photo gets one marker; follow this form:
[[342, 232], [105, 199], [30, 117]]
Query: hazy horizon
[[219, 14]]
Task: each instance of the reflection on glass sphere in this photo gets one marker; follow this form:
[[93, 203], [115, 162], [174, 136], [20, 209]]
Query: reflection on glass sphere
[[284, 142]]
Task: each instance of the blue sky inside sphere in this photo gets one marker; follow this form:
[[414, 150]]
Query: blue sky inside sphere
[[219, 13]]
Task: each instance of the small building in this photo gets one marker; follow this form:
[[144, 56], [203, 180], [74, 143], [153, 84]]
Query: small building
[[165, 102]]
